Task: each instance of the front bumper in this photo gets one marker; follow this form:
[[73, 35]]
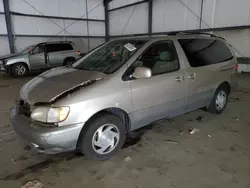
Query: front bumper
[[45, 139], [4, 68]]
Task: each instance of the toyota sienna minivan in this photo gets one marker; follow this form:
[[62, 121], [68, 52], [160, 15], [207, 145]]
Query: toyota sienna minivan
[[122, 86]]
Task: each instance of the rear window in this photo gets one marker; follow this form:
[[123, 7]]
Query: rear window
[[202, 52], [59, 47]]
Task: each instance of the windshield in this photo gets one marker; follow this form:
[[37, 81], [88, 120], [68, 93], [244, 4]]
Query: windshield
[[27, 49], [109, 57]]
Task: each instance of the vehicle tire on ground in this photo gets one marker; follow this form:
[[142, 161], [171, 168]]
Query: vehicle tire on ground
[[103, 137], [19, 70], [69, 61], [219, 101]]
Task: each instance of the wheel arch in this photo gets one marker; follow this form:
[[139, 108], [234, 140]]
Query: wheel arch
[[19, 62], [225, 85], [122, 114], [10, 66]]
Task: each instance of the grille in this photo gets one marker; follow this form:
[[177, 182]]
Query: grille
[[24, 108]]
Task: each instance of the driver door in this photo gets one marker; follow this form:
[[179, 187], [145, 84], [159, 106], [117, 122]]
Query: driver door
[[37, 57], [163, 94]]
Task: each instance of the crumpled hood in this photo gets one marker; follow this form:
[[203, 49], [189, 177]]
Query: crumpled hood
[[10, 56], [54, 82]]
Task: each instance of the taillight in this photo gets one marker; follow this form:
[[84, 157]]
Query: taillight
[[78, 52], [236, 67]]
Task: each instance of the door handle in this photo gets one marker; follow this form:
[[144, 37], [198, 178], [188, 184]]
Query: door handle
[[179, 78], [192, 76]]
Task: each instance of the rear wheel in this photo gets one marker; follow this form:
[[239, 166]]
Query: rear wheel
[[219, 101], [19, 70], [68, 61], [103, 137]]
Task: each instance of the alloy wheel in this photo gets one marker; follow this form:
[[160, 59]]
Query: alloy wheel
[[20, 70]]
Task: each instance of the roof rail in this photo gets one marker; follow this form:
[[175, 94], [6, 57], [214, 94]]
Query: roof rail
[[195, 33], [58, 41]]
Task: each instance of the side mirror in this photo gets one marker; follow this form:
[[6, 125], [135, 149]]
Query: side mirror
[[142, 72]]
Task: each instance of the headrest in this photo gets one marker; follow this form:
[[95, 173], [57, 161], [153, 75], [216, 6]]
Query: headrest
[[165, 56]]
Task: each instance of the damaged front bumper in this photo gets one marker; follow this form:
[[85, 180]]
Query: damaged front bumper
[[49, 140], [4, 68]]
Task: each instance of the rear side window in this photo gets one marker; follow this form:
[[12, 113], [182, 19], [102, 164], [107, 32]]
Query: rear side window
[[59, 47], [202, 52], [66, 46]]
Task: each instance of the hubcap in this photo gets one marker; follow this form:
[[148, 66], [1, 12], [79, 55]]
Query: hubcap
[[221, 100], [20, 69], [105, 139]]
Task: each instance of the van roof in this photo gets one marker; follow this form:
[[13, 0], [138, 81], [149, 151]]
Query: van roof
[[172, 35]]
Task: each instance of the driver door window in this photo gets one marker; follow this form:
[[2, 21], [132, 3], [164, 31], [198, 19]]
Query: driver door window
[[38, 49], [160, 57]]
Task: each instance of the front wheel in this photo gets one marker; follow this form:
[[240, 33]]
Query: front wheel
[[19, 70], [103, 137], [219, 101]]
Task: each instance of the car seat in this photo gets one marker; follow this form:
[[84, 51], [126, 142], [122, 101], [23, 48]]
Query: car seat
[[165, 64]]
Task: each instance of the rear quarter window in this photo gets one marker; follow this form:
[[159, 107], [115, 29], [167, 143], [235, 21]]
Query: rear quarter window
[[202, 52]]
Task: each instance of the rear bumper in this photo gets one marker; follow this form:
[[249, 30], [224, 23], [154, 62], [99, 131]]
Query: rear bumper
[[45, 139]]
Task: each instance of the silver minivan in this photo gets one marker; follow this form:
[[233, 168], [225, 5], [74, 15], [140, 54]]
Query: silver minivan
[[122, 86], [38, 57]]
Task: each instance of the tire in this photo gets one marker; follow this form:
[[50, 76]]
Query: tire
[[19, 70], [96, 147], [69, 61], [219, 101]]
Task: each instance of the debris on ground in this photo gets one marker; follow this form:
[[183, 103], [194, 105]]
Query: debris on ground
[[13, 161], [5, 85], [235, 98], [171, 141], [199, 118], [180, 131], [237, 119], [27, 148], [209, 136], [127, 159], [33, 184], [171, 121], [193, 130], [234, 131]]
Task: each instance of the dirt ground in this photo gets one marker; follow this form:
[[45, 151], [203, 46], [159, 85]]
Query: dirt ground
[[164, 155]]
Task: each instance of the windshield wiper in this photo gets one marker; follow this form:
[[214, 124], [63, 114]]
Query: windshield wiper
[[83, 69]]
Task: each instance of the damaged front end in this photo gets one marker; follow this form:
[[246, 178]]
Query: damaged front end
[[72, 90], [45, 113]]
